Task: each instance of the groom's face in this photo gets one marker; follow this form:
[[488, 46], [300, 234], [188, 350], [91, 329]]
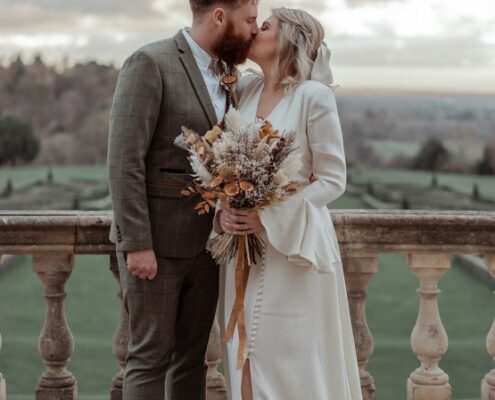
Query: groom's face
[[239, 31]]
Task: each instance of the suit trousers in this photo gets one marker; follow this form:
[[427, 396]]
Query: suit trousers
[[170, 318]]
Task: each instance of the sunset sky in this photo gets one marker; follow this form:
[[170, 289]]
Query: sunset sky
[[434, 45]]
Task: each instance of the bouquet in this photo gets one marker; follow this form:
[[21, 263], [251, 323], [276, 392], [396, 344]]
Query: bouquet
[[241, 166]]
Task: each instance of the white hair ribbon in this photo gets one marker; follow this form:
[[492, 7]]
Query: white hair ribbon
[[321, 71]]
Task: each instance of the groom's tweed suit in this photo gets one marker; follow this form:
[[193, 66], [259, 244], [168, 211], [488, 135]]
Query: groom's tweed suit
[[160, 89]]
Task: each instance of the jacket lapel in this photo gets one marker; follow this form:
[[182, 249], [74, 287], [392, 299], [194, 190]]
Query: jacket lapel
[[198, 83]]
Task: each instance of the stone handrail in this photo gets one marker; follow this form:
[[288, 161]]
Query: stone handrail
[[427, 237]]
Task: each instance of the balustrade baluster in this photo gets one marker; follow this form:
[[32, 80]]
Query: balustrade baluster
[[358, 272], [429, 340], [488, 382], [121, 336], [3, 384], [215, 381], [56, 343]]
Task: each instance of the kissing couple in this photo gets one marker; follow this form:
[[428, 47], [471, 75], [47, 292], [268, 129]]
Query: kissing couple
[[298, 336]]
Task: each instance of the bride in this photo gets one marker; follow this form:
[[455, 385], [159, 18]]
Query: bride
[[299, 337]]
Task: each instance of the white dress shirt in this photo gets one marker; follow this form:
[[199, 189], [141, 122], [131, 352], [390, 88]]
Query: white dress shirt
[[203, 59]]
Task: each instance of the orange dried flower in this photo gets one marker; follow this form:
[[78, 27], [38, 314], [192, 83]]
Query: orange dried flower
[[192, 139], [267, 130], [212, 134], [217, 181], [232, 189], [209, 196], [246, 186]]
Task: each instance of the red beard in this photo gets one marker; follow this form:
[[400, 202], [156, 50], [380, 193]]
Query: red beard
[[231, 48]]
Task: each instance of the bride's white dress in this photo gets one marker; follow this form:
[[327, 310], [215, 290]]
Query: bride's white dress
[[299, 336]]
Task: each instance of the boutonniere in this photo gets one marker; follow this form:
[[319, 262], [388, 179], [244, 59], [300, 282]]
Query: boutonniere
[[228, 78]]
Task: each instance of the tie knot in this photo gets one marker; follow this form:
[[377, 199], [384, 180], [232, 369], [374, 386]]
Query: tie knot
[[218, 66]]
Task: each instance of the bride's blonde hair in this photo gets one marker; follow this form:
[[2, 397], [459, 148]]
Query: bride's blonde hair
[[299, 37]]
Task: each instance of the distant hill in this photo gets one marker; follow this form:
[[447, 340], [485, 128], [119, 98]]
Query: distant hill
[[69, 110]]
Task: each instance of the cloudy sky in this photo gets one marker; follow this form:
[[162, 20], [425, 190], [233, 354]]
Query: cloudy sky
[[431, 45]]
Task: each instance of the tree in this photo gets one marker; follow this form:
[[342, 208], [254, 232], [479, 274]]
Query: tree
[[17, 141], [431, 155], [475, 194], [9, 187], [15, 72], [49, 176], [434, 180], [487, 164]]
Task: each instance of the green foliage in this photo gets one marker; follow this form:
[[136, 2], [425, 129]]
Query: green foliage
[[17, 141], [431, 155]]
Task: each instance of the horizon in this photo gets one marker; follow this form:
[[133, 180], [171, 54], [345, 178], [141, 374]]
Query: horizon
[[404, 45]]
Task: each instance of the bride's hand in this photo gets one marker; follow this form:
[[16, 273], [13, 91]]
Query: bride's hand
[[240, 221]]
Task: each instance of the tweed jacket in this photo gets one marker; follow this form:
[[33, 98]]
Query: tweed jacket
[[160, 88]]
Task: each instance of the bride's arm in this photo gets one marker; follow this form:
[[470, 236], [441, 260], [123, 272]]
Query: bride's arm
[[326, 143]]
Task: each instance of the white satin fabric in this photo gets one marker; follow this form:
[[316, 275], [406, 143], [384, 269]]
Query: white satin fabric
[[321, 71], [300, 340]]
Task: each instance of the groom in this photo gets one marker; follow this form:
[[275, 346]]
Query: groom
[[169, 281]]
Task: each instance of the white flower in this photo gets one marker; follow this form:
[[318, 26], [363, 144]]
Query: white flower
[[200, 170], [288, 168], [234, 121]]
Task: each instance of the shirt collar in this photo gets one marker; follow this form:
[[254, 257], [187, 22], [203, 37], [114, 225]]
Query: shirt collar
[[201, 56]]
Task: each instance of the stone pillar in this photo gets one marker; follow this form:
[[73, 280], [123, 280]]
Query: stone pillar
[[56, 343], [3, 385], [358, 272], [215, 381], [429, 340], [488, 382], [121, 336]]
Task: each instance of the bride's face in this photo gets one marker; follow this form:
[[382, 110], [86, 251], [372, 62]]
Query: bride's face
[[264, 47]]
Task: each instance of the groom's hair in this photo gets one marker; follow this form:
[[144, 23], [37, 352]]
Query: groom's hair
[[201, 6]]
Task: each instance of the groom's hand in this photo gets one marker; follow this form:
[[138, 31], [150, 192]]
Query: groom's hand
[[142, 263]]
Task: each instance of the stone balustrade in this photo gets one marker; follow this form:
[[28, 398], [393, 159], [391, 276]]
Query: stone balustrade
[[427, 237]]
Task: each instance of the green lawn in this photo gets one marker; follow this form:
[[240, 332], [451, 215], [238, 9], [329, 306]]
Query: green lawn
[[461, 183], [28, 174], [388, 149], [466, 309], [467, 151], [92, 310]]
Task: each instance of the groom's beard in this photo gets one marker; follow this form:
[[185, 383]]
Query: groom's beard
[[231, 48]]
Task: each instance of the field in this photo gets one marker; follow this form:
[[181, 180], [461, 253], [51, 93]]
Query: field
[[467, 152], [25, 175], [462, 183], [92, 309]]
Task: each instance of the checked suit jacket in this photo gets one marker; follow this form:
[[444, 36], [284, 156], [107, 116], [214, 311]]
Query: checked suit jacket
[[160, 88]]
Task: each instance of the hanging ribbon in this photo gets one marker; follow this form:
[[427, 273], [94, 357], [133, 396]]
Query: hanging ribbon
[[237, 316]]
